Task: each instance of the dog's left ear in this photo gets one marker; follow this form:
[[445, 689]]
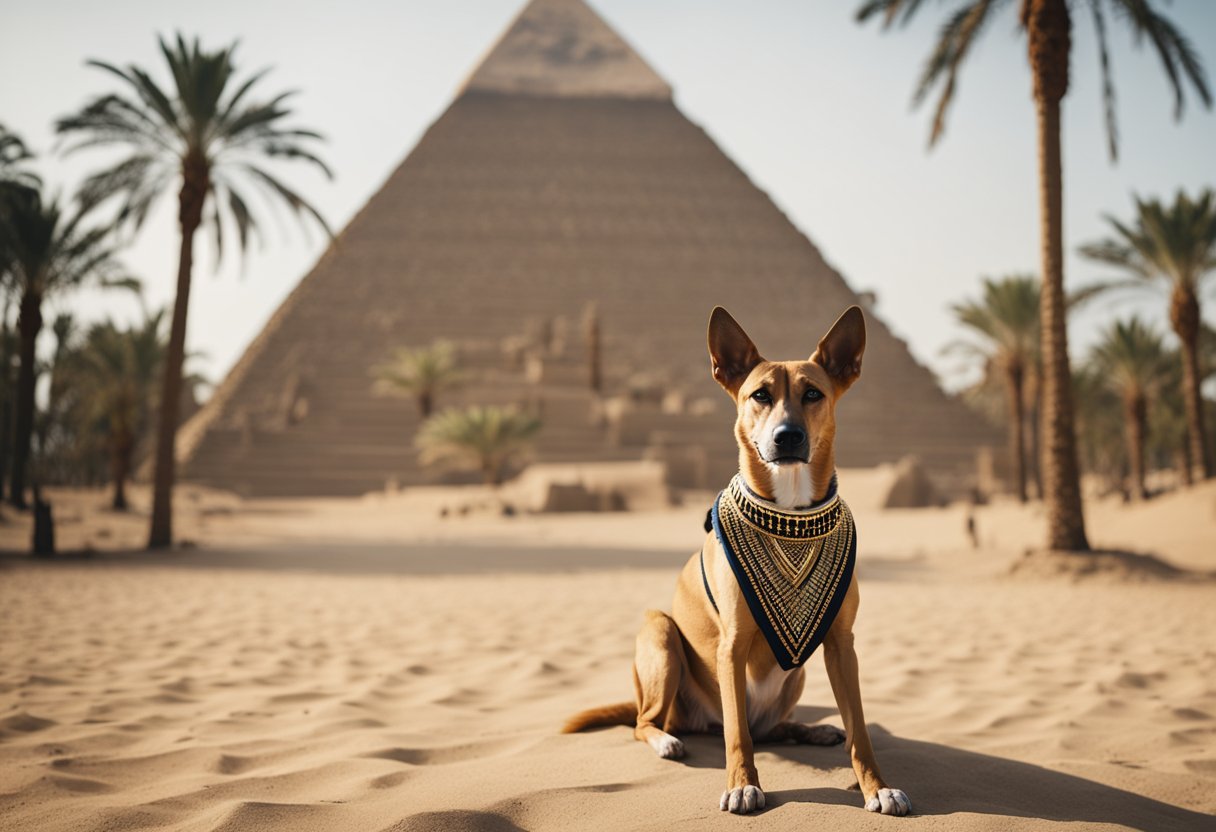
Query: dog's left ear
[[840, 351]]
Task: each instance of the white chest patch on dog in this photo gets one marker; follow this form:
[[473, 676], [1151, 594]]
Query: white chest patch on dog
[[791, 484]]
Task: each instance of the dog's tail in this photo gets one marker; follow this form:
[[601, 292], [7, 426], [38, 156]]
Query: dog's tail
[[623, 713]]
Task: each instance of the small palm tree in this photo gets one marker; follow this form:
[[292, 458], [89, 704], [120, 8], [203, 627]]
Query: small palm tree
[[205, 138], [1100, 427], [1131, 360], [113, 375], [420, 373], [1006, 318], [1048, 28], [1171, 246], [486, 438], [51, 253]]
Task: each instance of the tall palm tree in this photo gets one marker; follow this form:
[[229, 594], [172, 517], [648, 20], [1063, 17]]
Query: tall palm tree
[[1171, 246], [1006, 318], [114, 374], [1048, 28], [484, 438], [203, 137], [420, 373], [17, 182], [1131, 360], [51, 252]]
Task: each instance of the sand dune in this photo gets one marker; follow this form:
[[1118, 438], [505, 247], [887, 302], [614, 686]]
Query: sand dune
[[341, 687]]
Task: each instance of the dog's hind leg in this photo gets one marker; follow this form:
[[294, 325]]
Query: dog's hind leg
[[805, 734], [658, 667]]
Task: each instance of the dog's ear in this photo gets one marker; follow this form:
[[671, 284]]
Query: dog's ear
[[732, 354], [840, 351]]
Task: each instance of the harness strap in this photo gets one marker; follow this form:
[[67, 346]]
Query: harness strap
[[705, 580]]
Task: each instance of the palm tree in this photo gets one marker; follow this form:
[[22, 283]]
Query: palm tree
[[485, 438], [420, 373], [51, 253], [203, 137], [1131, 360], [114, 375], [1172, 246], [1100, 429], [17, 183], [1048, 27], [1006, 319]]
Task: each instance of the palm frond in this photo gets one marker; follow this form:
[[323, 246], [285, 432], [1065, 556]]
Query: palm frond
[[891, 10], [1178, 57], [297, 203], [958, 35], [15, 177], [1108, 85], [148, 91]]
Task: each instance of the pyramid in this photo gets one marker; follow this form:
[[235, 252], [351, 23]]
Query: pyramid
[[561, 174]]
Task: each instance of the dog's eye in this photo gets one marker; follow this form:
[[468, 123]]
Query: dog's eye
[[762, 396], [811, 395]]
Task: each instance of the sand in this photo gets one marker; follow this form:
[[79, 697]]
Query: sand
[[365, 665]]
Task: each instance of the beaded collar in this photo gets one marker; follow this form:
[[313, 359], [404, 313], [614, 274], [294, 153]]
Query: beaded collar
[[793, 566], [791, 524]]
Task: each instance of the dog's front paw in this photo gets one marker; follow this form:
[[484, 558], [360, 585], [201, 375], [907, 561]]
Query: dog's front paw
[[890, 802], [742, 800]]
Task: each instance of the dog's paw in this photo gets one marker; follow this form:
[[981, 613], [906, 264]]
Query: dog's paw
[[667, 747], [890, 802], [823, 735], [741, 801]]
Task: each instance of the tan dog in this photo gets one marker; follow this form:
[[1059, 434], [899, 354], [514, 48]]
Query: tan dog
[[701, 667]]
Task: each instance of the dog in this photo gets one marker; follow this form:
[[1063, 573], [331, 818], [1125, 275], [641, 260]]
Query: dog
[[719, 659]]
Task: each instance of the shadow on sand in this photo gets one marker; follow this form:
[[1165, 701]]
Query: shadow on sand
[[944, 781]]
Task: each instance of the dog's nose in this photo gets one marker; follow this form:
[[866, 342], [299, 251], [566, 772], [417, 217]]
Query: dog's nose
[[789, 436]]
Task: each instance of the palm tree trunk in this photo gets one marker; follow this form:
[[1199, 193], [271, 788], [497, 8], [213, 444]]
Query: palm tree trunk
[[193, 194], [120, 468], [1017, 428], [1135, 417], [29, 322], [1184, 316], [1035, 422], [1048, 32], [6, 399]]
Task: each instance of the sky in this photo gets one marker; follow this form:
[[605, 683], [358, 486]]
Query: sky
[[815, 108]]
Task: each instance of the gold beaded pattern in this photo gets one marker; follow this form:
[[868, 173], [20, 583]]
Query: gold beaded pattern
[[794, 568]]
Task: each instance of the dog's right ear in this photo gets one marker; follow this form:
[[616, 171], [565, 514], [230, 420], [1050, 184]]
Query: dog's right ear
[[732, 354]]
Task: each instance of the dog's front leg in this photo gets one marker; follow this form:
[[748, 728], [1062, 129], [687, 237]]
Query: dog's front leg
[[840, 659], [743, 793]]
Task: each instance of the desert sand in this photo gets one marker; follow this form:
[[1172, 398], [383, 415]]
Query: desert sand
[[369, 665]]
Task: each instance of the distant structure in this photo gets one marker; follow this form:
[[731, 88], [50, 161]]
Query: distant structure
[[562, 175]]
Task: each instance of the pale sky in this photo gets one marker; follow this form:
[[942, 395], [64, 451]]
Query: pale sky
[[813, 107]]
